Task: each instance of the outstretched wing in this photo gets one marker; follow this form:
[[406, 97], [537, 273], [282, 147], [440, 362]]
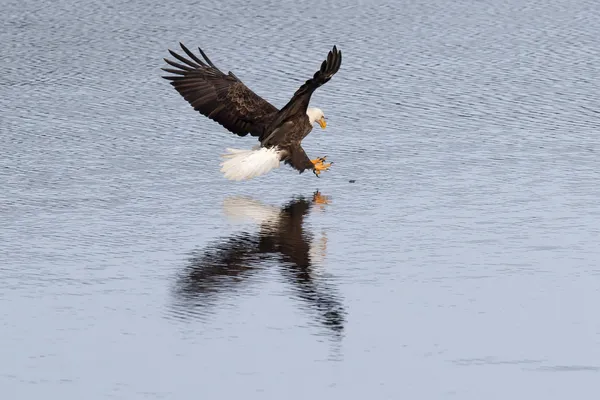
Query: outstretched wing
[[221, 97], [299, 102]]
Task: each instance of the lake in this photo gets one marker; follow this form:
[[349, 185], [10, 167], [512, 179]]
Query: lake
[[452, 250]]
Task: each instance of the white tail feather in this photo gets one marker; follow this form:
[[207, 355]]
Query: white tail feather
[[248, 164]]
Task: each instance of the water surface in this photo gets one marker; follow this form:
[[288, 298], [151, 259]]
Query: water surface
[[463, 260]]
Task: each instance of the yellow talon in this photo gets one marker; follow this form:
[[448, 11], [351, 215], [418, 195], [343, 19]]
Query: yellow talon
[[319, 165], [319, 160]]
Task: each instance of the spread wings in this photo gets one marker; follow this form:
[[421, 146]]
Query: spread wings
[[221, 97]]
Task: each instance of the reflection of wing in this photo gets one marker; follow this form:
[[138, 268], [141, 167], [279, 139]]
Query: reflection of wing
[[222, 267], [318, 296], [225, 267]]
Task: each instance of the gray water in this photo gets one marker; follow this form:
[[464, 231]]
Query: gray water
[[462, 262]]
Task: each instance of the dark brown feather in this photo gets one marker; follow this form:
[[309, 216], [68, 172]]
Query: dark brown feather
[[329, 67], [298, 159], [218, 96], [295, 109]]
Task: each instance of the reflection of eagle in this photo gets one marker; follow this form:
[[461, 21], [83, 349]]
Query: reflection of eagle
[[225, 99], [226, 266]]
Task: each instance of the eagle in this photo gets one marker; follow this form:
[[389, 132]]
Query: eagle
[[225, 99]]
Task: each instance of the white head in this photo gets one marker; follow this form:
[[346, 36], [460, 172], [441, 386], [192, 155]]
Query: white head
[[316, 115]]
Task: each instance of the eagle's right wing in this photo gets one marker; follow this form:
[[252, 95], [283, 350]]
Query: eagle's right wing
[[221, 97], [329, 67]]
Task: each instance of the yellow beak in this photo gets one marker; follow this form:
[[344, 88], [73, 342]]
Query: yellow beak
[[322, 122]]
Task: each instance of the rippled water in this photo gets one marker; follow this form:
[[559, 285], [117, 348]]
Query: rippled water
[[463, 260]]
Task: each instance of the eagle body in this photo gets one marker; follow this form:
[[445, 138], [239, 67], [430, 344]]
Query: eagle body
[[287, 138], [225, 99]]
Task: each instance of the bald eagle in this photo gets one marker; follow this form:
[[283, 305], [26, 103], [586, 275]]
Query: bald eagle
[[224, 98]]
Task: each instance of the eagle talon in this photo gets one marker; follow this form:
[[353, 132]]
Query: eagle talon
[[320, 166]]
